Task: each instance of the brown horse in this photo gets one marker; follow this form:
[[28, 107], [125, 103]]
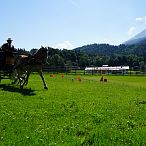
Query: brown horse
[[27, 64]]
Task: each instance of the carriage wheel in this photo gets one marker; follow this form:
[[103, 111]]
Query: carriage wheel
[[19, 79], [14, 77], [23, 80]]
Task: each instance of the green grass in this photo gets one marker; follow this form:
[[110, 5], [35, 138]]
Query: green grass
[[74, 113]]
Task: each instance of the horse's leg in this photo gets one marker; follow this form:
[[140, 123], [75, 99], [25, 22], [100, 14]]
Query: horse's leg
[[24, 79], [27, 77], [14, 77], [45, 85]]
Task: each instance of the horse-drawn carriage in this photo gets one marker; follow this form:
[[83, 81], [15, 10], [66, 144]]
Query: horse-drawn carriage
[[19, 67], [7, 63]]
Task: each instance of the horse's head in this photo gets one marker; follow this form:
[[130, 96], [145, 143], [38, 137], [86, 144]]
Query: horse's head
[[41, 55], [44, 52]]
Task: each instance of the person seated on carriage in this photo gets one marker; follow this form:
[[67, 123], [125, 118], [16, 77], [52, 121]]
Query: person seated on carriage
[[9, 52], [8, 47]]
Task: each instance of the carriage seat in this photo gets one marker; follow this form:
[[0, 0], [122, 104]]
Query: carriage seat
[[10, 60]]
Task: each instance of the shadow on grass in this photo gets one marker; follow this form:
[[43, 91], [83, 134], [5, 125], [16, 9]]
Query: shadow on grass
[[11, 88], [142, 102]]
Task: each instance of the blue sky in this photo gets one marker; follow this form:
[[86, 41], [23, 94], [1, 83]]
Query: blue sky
[[70, 23]]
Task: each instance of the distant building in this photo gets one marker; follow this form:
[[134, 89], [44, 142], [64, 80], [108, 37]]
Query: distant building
[[105, 69]]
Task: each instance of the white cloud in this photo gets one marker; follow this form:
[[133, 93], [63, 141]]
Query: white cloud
[[131, 30], [64, 45], [141, 19]]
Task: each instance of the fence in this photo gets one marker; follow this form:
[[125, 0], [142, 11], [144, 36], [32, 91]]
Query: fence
[[81, 70]]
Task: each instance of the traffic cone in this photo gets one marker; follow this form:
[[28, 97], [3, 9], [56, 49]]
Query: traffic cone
[[62, 75], [79, 78]]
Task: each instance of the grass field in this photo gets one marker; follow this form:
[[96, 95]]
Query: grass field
[[74, 113]]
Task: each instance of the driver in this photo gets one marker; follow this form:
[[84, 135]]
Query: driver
[[9, 50], [8, 47]]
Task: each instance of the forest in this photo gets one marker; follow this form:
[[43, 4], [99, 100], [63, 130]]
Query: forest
[[97, 55]]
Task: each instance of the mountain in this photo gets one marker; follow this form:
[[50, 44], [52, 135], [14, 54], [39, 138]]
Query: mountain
[[109, 50], [100, 49], [135, 45], [139, 39]]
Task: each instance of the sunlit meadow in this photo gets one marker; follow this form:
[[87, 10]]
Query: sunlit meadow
[[71, 112]]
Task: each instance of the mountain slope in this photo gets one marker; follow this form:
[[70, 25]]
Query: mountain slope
[[100, 49], [139, 39], [136, 46], [109, 50]]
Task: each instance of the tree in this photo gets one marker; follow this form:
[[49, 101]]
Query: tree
[[56, 60], [142, 66]]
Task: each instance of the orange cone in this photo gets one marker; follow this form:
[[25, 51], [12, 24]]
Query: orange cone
[[52, 75], [79, 78], [62, 75]]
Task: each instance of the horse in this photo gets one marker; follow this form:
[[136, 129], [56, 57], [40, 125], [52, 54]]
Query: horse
[[26, 64]]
